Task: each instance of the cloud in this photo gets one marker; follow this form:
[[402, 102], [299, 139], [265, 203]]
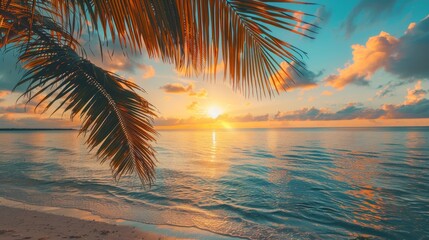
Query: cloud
[[201, 93], [306, 79], [162, 121], [193, 106], [405, 57], [149, 71], [171, 121], [19, 108], [415, 106], [418, 109], [368, 12], [411, 59], [327, 93], [115, 58], [178, 88], [415, 95], [313, 114], [366, 61], [387, 90], [25, 106], [322, 17], [3, 93], [10, 121], [308, 27], [251, 118]]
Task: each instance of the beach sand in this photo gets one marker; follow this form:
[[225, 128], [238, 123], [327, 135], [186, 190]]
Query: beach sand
[[22, 224]]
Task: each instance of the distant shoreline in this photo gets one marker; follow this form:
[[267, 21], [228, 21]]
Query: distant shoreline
[[163, 128], [39, 129], [357, 128]]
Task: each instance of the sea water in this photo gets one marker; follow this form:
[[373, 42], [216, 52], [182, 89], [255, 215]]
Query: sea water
[[320, 183]]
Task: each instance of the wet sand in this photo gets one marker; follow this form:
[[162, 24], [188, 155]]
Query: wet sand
[[23, 224]]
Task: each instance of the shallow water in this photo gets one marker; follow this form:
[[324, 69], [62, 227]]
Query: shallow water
[[259, 184]]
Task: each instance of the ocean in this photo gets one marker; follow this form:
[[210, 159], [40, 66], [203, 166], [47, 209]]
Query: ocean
[[314, 183]]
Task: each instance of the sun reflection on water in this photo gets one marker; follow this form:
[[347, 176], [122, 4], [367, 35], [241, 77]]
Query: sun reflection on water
[[213, 146], [359, 173]]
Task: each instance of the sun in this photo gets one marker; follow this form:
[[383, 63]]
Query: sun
[[214, 112]]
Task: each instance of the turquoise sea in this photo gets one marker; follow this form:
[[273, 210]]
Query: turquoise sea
[[320, 183]]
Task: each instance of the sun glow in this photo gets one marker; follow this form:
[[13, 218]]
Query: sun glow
[[214, 112]]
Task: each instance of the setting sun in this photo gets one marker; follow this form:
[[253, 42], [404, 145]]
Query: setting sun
[[214, 111]]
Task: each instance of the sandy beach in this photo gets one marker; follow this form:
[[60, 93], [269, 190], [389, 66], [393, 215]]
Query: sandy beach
[[17, 224]]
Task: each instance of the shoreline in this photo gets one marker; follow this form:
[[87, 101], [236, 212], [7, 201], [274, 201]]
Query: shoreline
[[21, 220], [17, 223]]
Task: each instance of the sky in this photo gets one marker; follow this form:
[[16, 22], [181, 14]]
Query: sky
[[367, 66]]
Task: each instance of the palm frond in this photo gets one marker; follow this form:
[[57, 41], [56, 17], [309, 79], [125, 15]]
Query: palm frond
[[195, 34], [151, 25], [115, 118], [243, 34], [18, 17]]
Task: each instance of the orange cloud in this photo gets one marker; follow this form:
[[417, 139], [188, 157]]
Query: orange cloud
[[416, 94], [410, 28], [4, 94], [149, 71], [201, 93], [290, 78], [366, 61], [405, 57], [178, 88], [12, 121], [162, 121], [193, 106], [327, 93]]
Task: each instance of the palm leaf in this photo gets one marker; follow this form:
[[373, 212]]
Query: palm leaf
[[18, 17], [115, 118], [146, 24], [242, 33]]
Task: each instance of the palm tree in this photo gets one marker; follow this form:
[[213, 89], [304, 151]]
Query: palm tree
[[191, 34]]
